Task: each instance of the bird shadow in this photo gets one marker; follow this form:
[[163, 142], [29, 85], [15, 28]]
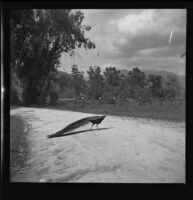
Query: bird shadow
[[77, 132]]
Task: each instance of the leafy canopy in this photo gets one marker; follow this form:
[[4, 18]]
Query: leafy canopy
[[38, 37]]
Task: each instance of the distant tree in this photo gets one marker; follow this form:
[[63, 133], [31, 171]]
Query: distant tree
[[38, 37], [172, 86], [123, 88], [96, 82], [109, 92], [77, 80], [64, 81], [155, 85], [112, 80], [112, 76], [136, 77], [136, 81]]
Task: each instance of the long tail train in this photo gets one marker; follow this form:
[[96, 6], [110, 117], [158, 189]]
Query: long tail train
[[94, 120], [71, 127]]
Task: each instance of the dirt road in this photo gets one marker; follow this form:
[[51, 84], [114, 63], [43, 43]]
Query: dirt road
[[123, 149]]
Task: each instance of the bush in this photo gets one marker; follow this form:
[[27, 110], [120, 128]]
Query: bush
[[68, 93]]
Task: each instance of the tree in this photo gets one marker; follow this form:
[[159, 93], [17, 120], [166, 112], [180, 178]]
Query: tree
[[38, 37], [155, 85], [136, 81], [123, 89], [112, 76], [96, 82], [63, 81], [136, 77], [111, 83], [172, 86], [77, 80]]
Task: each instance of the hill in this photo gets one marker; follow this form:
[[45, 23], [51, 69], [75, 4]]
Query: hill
[[163, 74], [61, 73]]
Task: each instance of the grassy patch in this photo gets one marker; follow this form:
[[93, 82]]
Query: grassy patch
[[166, 111]]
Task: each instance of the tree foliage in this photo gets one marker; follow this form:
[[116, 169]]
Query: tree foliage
[[77, 80], [155, 84], [38, 37], [112, 76], [136, 77], [133, 85], [96, 82], [136, 81], [172, 87]]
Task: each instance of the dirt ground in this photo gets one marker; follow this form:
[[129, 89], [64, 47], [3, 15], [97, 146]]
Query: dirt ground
[[122, 150]]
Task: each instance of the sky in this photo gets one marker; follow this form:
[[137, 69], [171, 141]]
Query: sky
[[150, 39]]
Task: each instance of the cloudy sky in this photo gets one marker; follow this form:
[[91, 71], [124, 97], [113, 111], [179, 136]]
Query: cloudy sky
[[128, 38]]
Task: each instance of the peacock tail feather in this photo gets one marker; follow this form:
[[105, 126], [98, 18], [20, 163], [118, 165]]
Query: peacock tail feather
[[71, 127], [77, 124]]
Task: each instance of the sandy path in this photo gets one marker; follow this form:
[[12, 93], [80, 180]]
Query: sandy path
[[128, 150]]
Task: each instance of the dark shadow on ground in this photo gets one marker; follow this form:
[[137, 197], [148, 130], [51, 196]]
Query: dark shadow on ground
[[77, 132], [18, 146]]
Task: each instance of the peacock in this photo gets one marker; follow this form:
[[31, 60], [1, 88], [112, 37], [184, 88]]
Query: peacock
[[81, 122]]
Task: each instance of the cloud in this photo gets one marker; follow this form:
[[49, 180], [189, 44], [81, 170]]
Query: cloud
[[163, 52], [135, 37], [133, 23], [148, 29]]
